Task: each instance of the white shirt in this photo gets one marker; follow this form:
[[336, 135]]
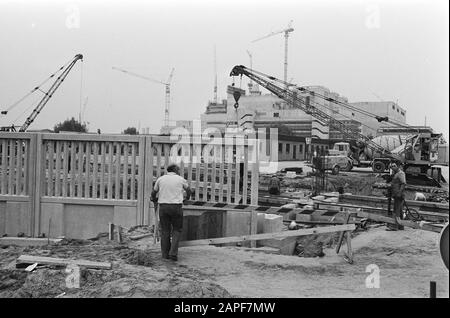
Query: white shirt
[[170, 188]]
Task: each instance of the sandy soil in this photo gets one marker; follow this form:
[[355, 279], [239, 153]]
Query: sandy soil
[[408, 260]]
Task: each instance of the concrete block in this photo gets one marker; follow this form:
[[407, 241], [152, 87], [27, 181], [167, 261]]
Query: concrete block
[[86, 221], [303, 217], [238, 223], [17, 218], [55, 212], [332, 200], [272, 223], [285, 245], [260, 224], [125, 216], [2, 218]]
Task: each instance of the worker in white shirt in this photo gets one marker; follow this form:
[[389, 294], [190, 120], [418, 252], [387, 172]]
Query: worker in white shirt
[[168, 193]]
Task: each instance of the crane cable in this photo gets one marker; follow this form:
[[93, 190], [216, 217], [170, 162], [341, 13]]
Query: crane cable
[[37, 87], [347, 105]]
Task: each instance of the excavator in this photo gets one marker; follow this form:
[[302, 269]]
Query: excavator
[[47, 95], [417, 154]]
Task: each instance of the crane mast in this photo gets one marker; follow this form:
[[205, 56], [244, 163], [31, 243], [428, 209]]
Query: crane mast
[[292, 97], [47, 95]]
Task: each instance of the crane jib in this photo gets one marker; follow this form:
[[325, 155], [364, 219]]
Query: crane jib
[[293, 99]]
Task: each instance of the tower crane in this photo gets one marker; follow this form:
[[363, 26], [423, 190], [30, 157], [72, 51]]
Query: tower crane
[[286, 36], [47, 95], [166, 84]]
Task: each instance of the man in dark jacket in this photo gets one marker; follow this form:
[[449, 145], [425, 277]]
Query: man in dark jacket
[[398, 184]]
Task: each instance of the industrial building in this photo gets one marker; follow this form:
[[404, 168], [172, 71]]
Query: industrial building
[[258, 110]]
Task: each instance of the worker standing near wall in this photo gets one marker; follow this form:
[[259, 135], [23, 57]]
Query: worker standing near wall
[[168, 192], [274, 185], [398, 184]]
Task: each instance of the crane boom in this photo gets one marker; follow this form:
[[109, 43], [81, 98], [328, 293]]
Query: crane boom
[[49, 93], [292, 98]]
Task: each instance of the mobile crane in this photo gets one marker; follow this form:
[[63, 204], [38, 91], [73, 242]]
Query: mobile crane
[[47, 95], [418, 152]]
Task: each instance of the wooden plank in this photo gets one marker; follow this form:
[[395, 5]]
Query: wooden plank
[[4, 166], [254, 183], [264, 236], [158, 160], [110, 168], [133, 172], [341, 235], [253, 226], [213, 174], [229, 172], [237, 176], [65, 168], [87, 181], [27, 241], [111, 231], [73, 168], [166, 156], [80, 157], [89, 201], [190, 165], [146, 172], [37, 179], [31, 183], [117, 173], [26, 169], [10, 135], [205, 179], [245, 177], [12, 159], [51, 158], [57, 168], [140, 236], [125, 172], [198, 156], [88, 137], [221, 173], [30, 259], [349, 247], [182, 162], [19, 167], [102, 170], [95, 171]]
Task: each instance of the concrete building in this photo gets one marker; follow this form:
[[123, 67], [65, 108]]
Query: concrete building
[[383, 109], [258, 110]]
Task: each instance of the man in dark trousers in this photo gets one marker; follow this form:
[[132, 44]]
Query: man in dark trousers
[[398, 184], [169, 189], [274, 185]]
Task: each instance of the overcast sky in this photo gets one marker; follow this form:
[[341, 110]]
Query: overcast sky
[[364, 50]]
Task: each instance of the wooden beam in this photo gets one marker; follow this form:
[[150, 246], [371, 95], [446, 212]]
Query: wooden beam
[[30, 259], [264, 236], [27, 241]]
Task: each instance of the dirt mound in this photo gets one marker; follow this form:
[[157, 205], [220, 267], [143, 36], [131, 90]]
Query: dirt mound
[[137, 257], [313, 245], [163, 288], [10, 281], [42, 283]]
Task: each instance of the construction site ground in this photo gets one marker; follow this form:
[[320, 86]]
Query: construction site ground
[[407, 260]]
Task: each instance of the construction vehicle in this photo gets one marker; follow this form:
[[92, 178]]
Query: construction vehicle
[[417, 154], [47, 95]]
